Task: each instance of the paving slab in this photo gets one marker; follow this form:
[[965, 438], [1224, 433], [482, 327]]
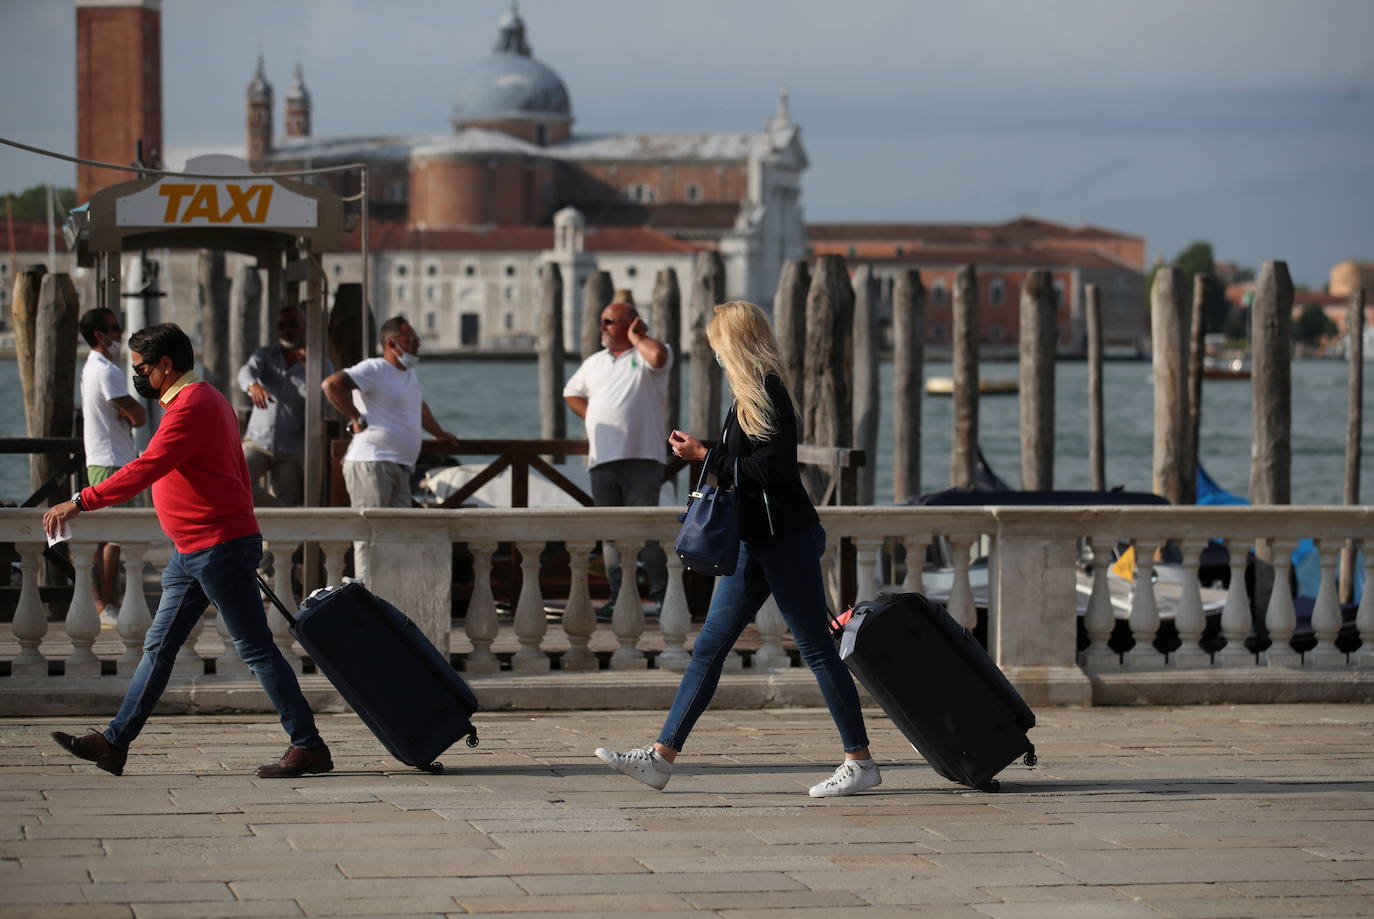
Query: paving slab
[[1220, 811]]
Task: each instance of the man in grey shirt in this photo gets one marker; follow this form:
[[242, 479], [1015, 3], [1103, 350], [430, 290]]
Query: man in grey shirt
[[274, 379]]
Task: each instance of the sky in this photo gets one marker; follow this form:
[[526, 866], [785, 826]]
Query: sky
[[1246, 123]]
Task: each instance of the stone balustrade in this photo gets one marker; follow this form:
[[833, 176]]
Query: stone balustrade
[[1035, 558]]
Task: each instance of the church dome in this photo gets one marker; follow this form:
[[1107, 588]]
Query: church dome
[[510, 84]]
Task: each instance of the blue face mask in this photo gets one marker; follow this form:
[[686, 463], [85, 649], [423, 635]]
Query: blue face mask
[[408, 360]]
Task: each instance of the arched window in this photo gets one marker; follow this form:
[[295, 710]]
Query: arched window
[[641, 193]]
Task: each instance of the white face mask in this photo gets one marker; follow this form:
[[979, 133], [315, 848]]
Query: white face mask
[[113, 346], [408, 360]]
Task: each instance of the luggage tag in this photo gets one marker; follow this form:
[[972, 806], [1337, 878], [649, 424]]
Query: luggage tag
[[853, 621]]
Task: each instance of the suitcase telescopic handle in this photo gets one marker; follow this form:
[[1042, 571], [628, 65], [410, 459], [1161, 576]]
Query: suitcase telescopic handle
[[276, 601]]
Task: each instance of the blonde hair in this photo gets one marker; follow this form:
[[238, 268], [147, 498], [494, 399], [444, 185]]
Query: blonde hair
[[740, 334]]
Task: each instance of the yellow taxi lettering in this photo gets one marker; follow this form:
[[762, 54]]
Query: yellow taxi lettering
[[174, 192], [205, 204], [240, 199]]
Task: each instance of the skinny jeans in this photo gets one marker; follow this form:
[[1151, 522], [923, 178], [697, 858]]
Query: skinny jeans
[[226, 576], [787, 566]]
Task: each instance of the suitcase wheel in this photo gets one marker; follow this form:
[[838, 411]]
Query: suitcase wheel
[[435, 768], [472, 740], [1030, 759]]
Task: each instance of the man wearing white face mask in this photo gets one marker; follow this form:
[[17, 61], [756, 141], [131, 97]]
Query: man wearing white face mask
[[108, 416], [380, 397]]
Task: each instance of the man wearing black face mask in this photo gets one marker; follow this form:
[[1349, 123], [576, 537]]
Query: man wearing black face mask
[[274, 378], [108, 415], [204, 503]]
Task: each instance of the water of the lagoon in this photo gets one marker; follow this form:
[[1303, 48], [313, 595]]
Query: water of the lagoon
[[497, 399]]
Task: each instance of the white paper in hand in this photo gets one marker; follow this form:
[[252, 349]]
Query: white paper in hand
[[62, 535]]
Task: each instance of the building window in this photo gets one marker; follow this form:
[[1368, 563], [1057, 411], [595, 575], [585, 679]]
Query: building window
[[996, 292], [541, 134], [509, 271], [401, 293], [431, 321], [853, 251], [994, 333], [937, 292], [509, 294], [1058, 293], [899, 252], [432, 293], [401, 269], [641, 193], [632, 271], [338, 269], [694, 192], [469, 270], [431, 269], [510, 321]]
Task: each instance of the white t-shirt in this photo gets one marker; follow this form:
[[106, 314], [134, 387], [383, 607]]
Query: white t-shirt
[[625, 406], [389, 398], [109, 439]]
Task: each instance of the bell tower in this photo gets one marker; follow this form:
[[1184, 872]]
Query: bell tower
[[298, 107], [258, 138]]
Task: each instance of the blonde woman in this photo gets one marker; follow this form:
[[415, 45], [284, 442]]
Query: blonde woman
[[781, 541]]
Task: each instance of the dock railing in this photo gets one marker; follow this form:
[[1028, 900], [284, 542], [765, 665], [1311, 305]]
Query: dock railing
[[1034, 558]]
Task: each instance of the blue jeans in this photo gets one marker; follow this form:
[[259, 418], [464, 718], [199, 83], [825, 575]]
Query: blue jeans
[[787, 566], [223, 575]]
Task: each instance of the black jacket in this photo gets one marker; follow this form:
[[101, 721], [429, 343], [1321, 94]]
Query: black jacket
[[766, 467]]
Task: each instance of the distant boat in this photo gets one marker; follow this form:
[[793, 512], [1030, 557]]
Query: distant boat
[[1236, 368], [944, 386]]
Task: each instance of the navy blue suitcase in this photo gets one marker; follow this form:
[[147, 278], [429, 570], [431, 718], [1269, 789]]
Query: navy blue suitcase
[[386, 670], [939, 687]]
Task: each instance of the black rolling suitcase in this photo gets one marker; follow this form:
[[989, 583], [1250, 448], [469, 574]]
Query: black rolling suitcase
[[386, 670], [938, 685]]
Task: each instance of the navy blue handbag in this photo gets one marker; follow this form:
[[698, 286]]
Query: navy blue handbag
[[708, 542]]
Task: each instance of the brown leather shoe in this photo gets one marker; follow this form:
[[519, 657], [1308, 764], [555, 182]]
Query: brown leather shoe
[[95, 748], [298, 761]]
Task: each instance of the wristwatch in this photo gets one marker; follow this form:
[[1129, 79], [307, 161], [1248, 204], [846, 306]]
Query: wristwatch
[[359, 423], [76, 499]]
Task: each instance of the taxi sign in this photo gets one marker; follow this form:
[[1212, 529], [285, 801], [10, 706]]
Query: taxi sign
[[254, 201]]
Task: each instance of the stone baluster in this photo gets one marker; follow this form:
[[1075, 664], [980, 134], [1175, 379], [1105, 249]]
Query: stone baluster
[[627, 619], [1100, 618], [1235, 614], [1144, 610], [30, 623], [480, 621], [281, 586], [772, 629], [1364, 616], [335, 556], [83, 622], [530, 622], [1279, 618], [867, 568], [1326, 612], [1190, 619], [961, 592], [675, 619], [914, 582], [579, 616], [134, 617]]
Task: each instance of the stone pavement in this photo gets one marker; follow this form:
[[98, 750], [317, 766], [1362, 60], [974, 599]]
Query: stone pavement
[[1132, 812]]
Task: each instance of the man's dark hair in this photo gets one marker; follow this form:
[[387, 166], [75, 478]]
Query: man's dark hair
[[391, 327], [164, 340], [93, 321]]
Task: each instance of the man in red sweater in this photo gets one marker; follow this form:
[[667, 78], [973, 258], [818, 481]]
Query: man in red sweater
[[204, 502]]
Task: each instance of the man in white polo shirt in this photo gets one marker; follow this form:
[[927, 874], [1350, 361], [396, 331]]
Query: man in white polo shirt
[[380, 397], [619, 393], [108, 416]]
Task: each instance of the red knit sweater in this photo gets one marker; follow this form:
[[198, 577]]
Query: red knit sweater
[[195, 466]]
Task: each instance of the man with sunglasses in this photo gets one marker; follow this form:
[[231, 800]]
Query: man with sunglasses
[[204, 502], [620, 394], [108, 416], [274, 445]]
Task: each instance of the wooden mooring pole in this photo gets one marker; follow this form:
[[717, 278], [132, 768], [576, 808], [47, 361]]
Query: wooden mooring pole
[[597, 292], [553, 422], [1038, 337], [1168, 319], [54, 370], [828, 420], [666, 324], [789, 326], [213, 287], [867, 394], [708, 291], [963, 447], [1097, 453], [1197, 345], [24, 318], [908, 372], [1271, 371], [1354, 430]]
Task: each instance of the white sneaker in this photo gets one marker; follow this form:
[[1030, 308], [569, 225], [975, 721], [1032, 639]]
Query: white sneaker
[[109, 617], [644, 764], [853, 775]]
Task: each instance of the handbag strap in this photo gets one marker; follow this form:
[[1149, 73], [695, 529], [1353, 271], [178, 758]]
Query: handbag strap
[[720, 443]]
